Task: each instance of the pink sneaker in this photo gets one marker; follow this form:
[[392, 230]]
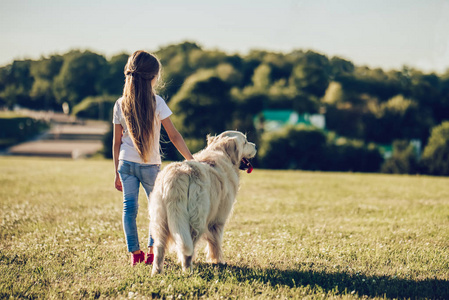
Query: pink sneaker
[[137, 258], [149, 259]]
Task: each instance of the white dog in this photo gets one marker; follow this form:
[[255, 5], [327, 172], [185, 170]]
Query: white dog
[[193, 199]]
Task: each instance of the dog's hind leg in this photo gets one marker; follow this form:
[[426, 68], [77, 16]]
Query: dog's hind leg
[[214, 238], [187, 260]]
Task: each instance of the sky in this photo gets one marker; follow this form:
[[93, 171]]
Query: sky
[[377, 33]]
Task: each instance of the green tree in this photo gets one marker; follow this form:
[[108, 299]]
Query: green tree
[[293, 148], [426, 89], [311, 74], [334, 93], [228, 73], [202, 106], [42, 94], [340, 66], [346, 121], [115, 78], [176, 66], [373, 82], [435, 158], [201, 59], [248, 65], [44, 71], [16, 82], [261, 77], [441, 107], [398, 118], [47, 68], [82, 75]]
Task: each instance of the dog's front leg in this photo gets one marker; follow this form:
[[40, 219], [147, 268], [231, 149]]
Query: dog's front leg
[[186, 262]]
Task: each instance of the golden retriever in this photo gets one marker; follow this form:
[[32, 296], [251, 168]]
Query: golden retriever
[[193, 199]]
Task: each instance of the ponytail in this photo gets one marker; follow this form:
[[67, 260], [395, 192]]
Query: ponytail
[[139, 101]]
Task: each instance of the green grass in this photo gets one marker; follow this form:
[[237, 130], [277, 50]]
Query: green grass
[[292, 235], [10, 115]]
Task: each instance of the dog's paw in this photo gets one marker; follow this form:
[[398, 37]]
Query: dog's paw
[[156, 271], [215, 261], [187, 271]]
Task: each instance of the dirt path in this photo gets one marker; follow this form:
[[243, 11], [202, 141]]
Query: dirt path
[[67, 137]]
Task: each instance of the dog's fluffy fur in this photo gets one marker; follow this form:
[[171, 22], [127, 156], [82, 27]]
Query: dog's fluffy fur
[[193, 199]]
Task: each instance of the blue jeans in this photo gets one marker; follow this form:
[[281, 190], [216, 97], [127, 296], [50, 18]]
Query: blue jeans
[[131, 175]]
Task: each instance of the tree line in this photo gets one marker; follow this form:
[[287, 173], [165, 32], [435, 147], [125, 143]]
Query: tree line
[[210, 91]]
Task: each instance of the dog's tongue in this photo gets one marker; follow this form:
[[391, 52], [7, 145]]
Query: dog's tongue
[[246, 165], [250, 169]]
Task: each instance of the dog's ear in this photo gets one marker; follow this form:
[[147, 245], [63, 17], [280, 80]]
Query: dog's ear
[[210, 139], [233, 149]]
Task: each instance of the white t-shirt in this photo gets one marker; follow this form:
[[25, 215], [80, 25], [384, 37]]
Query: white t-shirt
[[127, 150]]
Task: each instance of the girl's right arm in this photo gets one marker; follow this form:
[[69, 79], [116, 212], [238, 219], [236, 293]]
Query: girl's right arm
[[176, 138], [116, 142]]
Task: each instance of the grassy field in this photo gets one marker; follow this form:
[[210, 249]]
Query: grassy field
[[292, 235]]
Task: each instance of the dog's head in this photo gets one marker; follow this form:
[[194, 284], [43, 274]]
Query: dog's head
[[236, 146]]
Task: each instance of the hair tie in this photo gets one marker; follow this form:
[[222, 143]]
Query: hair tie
[[131, 73]]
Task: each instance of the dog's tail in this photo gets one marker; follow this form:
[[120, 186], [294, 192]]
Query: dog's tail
[[177, 212]]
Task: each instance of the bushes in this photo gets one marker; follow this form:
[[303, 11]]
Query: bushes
[[107, 142], [353, 155], [99, 108], [309, 149], [435, 158], [17, 128], [403, 161], [293, 148]]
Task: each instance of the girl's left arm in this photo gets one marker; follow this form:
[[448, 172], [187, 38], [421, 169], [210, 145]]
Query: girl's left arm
[[176, 138]]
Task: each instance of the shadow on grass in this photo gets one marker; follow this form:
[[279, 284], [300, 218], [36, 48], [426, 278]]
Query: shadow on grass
[[371, 286]]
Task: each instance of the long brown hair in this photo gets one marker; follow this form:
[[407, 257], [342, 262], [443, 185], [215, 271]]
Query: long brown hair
[[139, 100]]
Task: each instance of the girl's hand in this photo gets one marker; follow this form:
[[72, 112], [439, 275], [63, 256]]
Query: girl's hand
[[118, 183]]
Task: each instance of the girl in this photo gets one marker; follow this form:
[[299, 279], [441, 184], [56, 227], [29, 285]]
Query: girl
[[137, 119]]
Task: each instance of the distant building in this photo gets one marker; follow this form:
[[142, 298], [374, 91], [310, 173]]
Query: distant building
[[387, 149], [272, 120]]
